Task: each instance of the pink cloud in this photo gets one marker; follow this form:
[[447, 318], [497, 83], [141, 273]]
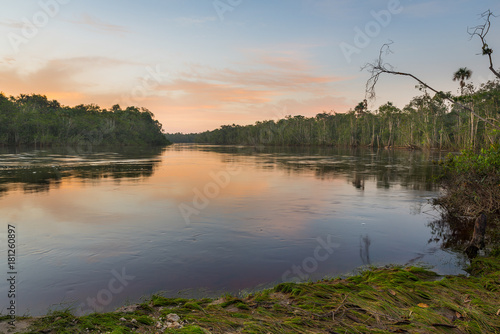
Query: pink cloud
[[96, 23], [270, 87]]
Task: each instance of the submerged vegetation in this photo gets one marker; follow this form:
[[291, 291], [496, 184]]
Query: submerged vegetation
[[36, 121], [383, 300]]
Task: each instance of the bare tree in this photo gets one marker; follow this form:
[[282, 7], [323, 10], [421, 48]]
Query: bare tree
[[481, 31], [379, 67]]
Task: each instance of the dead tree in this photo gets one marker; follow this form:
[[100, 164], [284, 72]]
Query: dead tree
[[477, 241], [481, 31], [378, 67]]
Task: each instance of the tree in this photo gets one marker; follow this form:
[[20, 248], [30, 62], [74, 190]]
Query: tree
[[35, 120], [481, 31], [379, 67], [461, 75], [389, 113]]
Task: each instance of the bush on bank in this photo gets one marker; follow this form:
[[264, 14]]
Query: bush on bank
[[471, 183]]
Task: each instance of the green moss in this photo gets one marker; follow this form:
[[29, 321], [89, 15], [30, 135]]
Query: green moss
[[192, 306], [231, 301], [295, 321], [262, 296], [422, 272], [61, 321], [383, 300], [242, 306], [146, 308], [162, 301], [190, 329], [4, 318], [481, 266], [145, 320], [292, 288]]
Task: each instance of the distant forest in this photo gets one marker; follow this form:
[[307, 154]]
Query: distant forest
[[425, 122], [35, 120], [180, 137]]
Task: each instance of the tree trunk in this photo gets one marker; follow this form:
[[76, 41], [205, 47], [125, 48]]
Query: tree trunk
[[477, 241]]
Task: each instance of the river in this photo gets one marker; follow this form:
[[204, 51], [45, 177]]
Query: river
[[96, 229]]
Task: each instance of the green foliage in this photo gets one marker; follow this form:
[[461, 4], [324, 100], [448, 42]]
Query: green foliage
[[35, 120], [425, 122], [471, 183], [468, 161], [181, 137]]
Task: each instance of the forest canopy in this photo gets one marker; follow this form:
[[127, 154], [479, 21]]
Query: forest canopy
[[36, 120], [427, 121]]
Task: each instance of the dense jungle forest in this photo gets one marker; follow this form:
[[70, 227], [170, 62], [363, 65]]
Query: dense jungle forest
[[34, 120], [427, 121]]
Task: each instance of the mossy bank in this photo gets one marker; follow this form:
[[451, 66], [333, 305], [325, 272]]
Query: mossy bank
[[379, 300]]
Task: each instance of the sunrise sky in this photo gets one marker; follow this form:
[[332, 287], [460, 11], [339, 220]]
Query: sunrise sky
[[198, 64]]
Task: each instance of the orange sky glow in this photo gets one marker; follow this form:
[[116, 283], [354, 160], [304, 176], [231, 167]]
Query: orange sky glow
[[197, 68]]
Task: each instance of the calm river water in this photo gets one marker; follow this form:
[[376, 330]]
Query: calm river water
[[98, 229]]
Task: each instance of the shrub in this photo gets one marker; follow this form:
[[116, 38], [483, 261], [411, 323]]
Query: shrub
[[471, 183]]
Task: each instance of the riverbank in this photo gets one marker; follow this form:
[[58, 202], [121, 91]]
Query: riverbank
[[379, 300]]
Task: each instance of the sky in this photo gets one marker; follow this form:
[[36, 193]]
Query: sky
[[200, 64]]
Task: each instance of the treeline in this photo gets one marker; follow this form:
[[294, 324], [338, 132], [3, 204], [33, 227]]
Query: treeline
[[425, 122], [35, 120], [179, 137]]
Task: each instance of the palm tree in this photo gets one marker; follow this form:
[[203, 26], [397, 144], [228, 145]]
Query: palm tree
[[461, 75]]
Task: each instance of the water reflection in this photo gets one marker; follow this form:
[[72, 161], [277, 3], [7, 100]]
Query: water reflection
[[40, 170], [358, 182], [410, 169], [364, 249], [451, 232], [95, 212]]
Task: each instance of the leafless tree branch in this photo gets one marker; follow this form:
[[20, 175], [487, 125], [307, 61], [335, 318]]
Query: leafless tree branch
[[481, 31], [378, 67]]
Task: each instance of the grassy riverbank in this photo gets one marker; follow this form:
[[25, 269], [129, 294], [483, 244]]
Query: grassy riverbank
[[380, 300]]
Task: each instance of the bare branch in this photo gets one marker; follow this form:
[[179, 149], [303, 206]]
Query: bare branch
[[379, 67], [376, 69], [481, 31]]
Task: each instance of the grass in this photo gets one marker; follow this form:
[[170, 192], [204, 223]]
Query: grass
[[379, 300]]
